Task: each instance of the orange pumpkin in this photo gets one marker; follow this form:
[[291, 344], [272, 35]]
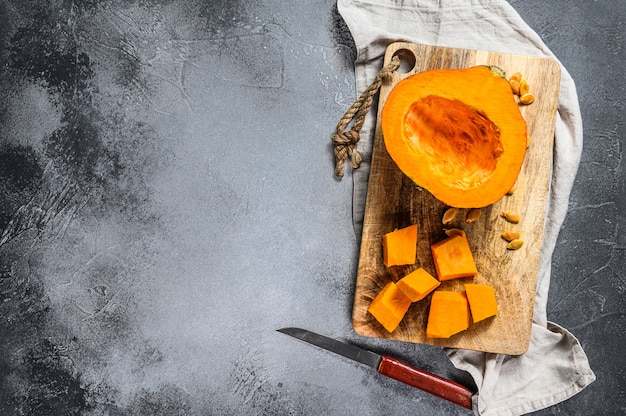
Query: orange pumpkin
[[482, 301], [457, 133], [453, 258], [417, 284], [400, 246], [389, 306], [449, 314]]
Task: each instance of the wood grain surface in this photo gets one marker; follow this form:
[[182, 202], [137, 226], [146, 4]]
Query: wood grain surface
[[394, 201]]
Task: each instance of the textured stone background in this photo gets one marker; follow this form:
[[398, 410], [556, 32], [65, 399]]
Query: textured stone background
[[167, 201]]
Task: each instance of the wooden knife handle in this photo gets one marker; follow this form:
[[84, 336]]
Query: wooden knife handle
[[429, 382]]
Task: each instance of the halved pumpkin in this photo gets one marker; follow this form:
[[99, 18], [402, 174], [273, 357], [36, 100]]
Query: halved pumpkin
[[457, 133]]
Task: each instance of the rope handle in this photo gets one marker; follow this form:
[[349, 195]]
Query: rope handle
[[345, 141]]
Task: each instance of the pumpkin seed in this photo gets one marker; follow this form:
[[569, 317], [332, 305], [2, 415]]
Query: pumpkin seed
[[449, 215], [510, 235], [472, 215], [451, 232], [514, 86], [515, 244], [524, 88], [510, 217], [527, 99], [516, 76]]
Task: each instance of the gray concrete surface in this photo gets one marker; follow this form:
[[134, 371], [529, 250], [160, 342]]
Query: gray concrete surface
[[167, 201]]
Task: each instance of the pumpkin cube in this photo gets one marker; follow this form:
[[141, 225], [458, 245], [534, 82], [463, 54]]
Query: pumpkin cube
[[453, 258], [417, 284], [482, 301], [449, 314], [389, 306], [400, 246]]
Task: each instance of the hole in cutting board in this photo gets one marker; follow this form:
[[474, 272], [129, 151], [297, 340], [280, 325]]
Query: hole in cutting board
[[407, 60]]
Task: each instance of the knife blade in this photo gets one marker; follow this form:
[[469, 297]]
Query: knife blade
[[390, 367]]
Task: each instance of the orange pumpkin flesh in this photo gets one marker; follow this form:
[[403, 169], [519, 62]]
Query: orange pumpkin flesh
[[417, 284], [458, 133], [482, 301], [399, 246], [453, 258], [389, 306], [449, 314]]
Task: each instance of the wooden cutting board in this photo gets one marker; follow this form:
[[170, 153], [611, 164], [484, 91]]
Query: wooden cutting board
[[394, 201]]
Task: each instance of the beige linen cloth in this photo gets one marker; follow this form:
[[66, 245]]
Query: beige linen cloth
[[555, 367]]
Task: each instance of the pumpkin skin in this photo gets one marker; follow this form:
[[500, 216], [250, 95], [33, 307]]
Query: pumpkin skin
[[457, 133]]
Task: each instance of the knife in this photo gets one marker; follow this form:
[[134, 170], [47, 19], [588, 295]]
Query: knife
[[390, 367]]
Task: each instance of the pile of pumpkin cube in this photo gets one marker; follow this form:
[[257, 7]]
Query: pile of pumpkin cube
[[450, 311]]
